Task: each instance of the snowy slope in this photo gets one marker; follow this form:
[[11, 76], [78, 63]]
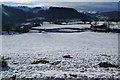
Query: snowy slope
[[86, 49]]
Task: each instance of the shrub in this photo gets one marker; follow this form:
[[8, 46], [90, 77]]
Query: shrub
[[3, 62]]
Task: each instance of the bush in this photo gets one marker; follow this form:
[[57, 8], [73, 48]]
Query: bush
[[3, 62]]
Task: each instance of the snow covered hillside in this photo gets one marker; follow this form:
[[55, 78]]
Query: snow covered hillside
[[64, 54]]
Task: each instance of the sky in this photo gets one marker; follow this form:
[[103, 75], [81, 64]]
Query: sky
[[46, 2], [77, 4], [60, 0], [38, 1]]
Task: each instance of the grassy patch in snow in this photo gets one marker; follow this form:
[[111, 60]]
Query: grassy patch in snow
[[14, 62], [68, 56], [108, 65], [65, 75], [105, 55], [56, 63], [40, 62], [73, 75]]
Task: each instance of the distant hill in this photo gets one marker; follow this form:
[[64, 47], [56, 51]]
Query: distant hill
[[111, 15], [11, 15], [54, 13], [79, 6], [29, 9]]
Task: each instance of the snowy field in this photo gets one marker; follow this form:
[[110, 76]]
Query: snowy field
[[86, 49], [46, 25], [52, 26]]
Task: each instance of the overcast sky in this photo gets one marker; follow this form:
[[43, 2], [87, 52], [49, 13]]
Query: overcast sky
[[77, 5], [46, 2], [35, 1]]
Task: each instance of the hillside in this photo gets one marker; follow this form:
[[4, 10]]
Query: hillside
[[61, 13], [12, 16], [111, 15], [15, 15]]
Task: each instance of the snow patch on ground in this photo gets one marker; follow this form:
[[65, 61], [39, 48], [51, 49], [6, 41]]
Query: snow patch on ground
[[52, 26], [86, 48]]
